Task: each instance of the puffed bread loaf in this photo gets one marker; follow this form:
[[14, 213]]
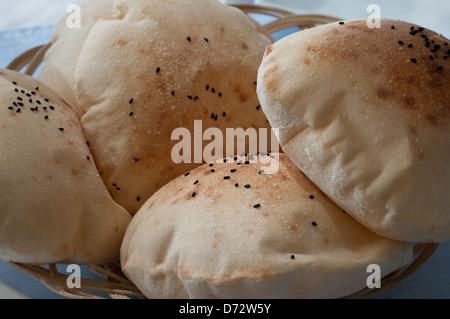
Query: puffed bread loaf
[[365, 114], [54, 206], [230, 230], [155, 66]]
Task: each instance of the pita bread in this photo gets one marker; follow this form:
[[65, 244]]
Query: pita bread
[[155, 66], [364, 113], [232, 231], [54, 207]]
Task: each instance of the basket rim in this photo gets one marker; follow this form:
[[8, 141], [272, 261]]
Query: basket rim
[[116, 284]]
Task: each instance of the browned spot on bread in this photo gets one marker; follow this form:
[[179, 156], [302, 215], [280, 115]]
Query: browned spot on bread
[[146, 11], [243, 98], [121, 43], [268, 50], [74, 172], [244, 46], [383, 93], [306, 61]]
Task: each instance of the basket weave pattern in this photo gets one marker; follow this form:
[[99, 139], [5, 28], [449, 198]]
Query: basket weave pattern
[[115, 284]]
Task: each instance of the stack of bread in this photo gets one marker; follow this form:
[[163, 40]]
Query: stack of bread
[[361, 115]]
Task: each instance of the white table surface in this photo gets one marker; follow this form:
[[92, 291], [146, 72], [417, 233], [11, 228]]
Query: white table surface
[[25, 24]]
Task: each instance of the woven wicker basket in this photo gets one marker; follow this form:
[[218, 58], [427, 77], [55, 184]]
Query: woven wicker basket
[[114, 284]]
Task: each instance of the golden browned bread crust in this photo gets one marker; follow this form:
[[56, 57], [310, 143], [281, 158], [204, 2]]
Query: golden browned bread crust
[[155, 66], [365, 113], [231, 230]]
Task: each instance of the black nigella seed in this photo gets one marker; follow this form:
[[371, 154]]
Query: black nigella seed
[[88, 157], [189, 39], [344, 211], [257, 206], [193, 194], [213, 90], [440, 68], [131, 114], [413, 32], [28, 94], [247, 186], [15, 83], [224, 114], [393, 27], [38, 102], [22, 91], [19, 98], [118, 188], [136, 159], [400, 42], [233, 170], [215, 118], [61, 129], [261, 172], [413, 60], [212, 116], [220, 94], [46, 117], [44, 107], [207, 88], [131, 101], [212, 170], [431, 57], [46, 100], [292, 257], [421, 29], [173, 93], [410, 45], [341, 22], [445, 57], [190, 97], [196, 182], [16, 90], [158, 69], [186, 174], [436, 47], [114, 184], [138, 199], [206, 39], [33, 93], [236, 185], [427, 44], [412, 28], [196, 98], [314, 223], [10, 107], [211, 164], [18, 110], [14, 103], [311, 196], [226, 177], [258, 107]]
